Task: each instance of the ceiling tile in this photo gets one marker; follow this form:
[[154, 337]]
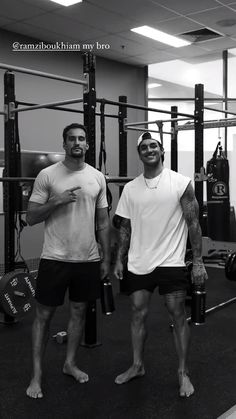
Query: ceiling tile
[[190, 51], [156, 57], [32, 31], [43, 4], [19, 10], [232, 6], [110, 21], [66, 27], [210, 18], [187, 6], [112, 55], [144, 41], [145, 11], [219, 44], [97, 17], [122, 45], [224, 2], [178, 25], [5, 20]]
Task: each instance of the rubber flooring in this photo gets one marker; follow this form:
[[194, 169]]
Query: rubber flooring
[[212, 361]]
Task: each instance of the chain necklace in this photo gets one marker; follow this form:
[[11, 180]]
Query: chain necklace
[[156, 185]]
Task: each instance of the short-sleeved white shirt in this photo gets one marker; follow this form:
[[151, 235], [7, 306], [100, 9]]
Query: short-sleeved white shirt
[[158, 228], [70, 229]]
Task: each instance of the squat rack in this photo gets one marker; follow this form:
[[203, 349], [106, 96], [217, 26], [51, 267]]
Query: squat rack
[[12, 173], [89, 100]]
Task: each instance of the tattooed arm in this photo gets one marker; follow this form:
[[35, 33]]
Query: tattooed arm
[[189, 206], [123, 246]]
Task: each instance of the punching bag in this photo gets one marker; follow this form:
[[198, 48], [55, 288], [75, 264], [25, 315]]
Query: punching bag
[[218, 203]]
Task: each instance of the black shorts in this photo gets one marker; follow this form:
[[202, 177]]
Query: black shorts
[[55, 277], [168, 279]]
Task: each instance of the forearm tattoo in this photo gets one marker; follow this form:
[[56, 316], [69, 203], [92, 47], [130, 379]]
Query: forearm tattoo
[[124, 239], [191, 211]]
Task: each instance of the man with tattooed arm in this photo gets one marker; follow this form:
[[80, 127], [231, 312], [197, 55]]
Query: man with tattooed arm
[[157, 210]]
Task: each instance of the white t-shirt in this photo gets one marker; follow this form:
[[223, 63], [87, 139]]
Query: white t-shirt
[[70, 229], [158, 228]]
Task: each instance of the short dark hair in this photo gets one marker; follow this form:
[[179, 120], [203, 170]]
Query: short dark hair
[[72, 126]]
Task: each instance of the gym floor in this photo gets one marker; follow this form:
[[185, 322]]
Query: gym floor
[[212, 366]]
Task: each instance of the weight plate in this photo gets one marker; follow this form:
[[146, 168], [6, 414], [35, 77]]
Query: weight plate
[[17, 291]]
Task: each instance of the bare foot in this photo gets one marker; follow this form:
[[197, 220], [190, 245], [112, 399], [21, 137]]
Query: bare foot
[[186, 388], [34, 390], [132, 372], [75, 372]]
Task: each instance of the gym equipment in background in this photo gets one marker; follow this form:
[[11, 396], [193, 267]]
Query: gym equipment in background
[[218, 204], [17, 291]]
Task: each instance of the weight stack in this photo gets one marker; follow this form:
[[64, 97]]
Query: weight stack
[[218, 202]]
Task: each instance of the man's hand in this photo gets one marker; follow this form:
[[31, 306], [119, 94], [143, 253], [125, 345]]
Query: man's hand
[[67, 196], [104, 269], [118, 270], [198, 274]]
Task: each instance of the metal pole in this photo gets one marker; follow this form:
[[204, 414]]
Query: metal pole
[[110, 179], [146, 129], [45, 105], [188, 99], [9, 190], [220, 120], [122, 138], [9, 170], [42, 74], [174, 140], [199, 101], [17, 179], [212, 124], [90, 332], [225, 94], [226, 111], [143, 108], [122, 152], [118, 179], [156, 121], [60, 108], [90, 106]]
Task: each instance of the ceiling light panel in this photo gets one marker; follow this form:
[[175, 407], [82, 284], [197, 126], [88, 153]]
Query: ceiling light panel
[[161, 36], [67, 2]]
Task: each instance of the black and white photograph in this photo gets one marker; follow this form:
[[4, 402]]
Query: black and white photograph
[[117, 209]]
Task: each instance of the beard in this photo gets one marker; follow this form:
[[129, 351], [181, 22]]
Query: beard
[[78, 153]]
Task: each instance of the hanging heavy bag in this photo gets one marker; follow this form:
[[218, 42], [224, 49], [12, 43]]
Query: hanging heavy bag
[[218, 203]]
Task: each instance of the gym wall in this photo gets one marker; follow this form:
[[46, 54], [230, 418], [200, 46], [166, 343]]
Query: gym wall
[[42, 129]]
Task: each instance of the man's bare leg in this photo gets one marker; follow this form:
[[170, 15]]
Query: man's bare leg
[[75, 333], [140, 302], [175, 303], [40, 333]]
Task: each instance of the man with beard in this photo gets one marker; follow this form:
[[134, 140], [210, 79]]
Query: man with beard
[[70, 197], [157, 210]]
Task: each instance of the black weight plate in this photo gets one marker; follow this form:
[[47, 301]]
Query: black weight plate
[[17, 290]]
